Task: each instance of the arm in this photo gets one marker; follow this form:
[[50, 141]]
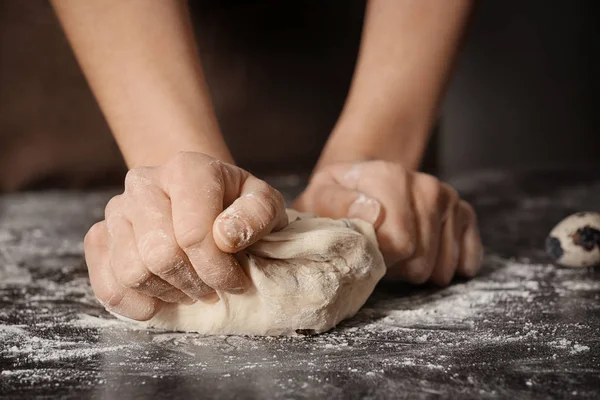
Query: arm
[[367, 170], [141, 62], [405, 59], [185, 209]]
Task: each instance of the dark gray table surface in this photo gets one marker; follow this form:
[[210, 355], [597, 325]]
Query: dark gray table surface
[[522, 329]]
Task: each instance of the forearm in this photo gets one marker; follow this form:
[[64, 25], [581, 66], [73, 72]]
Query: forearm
[[406, 55], [141, 62]]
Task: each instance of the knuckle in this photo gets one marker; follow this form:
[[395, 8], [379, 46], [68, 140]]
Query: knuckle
[[271, 201], [468, 211], [217, 168], [270, 190], [130, 276], [450, 193], [449, 201], [114, 206], [321, 177], [178, 267], [94, 235], [430, 187], [158, 255], [372, 169], [136, 177], [188, 237], [404, 244], [390, 170], [407, 246]]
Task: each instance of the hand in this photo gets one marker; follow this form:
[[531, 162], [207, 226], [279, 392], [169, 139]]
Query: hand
[[425, 232], [171, 234]]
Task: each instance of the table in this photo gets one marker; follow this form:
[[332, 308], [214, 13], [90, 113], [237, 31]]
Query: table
[[522, 329]]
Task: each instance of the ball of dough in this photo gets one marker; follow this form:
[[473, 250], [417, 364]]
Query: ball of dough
[[305, 279], [575, 241]]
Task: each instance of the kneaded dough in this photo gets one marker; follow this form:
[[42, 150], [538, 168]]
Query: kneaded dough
[[305, 278]]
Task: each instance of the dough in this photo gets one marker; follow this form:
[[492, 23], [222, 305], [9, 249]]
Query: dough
[[305, 279]]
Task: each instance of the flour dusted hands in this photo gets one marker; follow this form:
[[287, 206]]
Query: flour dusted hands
[[425, 231], [171, 234]]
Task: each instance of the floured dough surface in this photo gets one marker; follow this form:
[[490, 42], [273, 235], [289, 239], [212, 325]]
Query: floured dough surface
[[309, 276]]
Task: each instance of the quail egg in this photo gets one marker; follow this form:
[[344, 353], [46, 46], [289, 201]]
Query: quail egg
[[575, 241]]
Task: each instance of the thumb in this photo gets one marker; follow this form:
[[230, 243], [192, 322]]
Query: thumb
[[335, 201], [257, 212]]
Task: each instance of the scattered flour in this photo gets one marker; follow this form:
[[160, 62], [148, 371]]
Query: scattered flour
[[577, 348], [54, 319], [11, 274]]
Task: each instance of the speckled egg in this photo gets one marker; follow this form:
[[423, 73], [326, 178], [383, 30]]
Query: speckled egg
[[575, 241]]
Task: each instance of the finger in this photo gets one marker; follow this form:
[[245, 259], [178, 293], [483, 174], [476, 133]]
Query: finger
[[126, 263], [257, 211], [390, 185], [108, 291], [335, 201], [196, 187], [431, 202], [149, 210], [418, 268], [447, 258], [471, 248]]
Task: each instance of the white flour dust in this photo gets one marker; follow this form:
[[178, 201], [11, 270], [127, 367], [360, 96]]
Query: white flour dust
[[414, 330]]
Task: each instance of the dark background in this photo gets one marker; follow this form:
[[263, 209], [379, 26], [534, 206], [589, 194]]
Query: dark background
[[523, 95]]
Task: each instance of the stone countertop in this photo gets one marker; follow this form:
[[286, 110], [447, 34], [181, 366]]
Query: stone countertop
[[522, 329]]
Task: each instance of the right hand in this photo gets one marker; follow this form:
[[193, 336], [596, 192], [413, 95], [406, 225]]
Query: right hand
[[171, 234]]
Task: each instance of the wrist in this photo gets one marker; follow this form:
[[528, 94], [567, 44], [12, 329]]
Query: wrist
[[160, 156], [356, 139], [157, 149]]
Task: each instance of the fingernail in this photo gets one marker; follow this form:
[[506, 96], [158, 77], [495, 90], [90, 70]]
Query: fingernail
[[234, 232], [210, 298], [188, 301], [365, 208]]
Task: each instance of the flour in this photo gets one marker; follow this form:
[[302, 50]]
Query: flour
[[579, 286], [52, 328], [568, 345], [577, 348], [10, 330], [459, 305], [88, 321], [12, 274]]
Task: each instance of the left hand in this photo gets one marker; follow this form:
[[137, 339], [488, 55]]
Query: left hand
[[425, 231]]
